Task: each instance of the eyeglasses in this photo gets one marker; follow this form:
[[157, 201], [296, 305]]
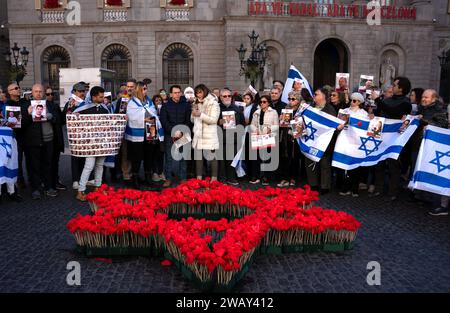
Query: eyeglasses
[[226, 96], [292, 99], [15, 88], [49, 94]]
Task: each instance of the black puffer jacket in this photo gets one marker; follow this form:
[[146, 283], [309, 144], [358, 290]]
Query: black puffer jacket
[[393, 108]]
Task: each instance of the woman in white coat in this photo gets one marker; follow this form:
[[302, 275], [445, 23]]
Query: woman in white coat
[[205, 114], [265, 121]]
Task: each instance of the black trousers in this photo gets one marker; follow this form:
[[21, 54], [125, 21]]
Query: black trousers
[[394, 170], [352, 180], [77, 165], [40, 159], [55, 167], [290, 161], [139, 152]]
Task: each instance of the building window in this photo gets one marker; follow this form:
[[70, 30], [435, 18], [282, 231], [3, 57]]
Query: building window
[[178, 61], [117, 58], [54, 58]]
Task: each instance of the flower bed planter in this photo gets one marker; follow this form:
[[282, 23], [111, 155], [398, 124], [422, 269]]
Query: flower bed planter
[[212, 232]]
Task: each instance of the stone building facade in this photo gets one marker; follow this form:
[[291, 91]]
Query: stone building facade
[[196, 42]]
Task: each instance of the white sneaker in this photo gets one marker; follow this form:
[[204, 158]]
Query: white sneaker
[[348, 193], [371, 188], [283, 183], [362, 186], [75, 185], [156, 177], [355, 195], [163, 178], [91, 183]]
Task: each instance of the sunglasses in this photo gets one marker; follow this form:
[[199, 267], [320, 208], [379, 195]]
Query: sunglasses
[[354, 101], [264, 101], [292, 99], [226, 96], [49, 94], [15, 88]]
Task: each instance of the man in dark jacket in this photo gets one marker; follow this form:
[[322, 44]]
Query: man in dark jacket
[[397, 107], [229, 145], [96, 107], [175, 117], [39, 136], [58, 141], [76, 163], [13, 92], [277, 104]]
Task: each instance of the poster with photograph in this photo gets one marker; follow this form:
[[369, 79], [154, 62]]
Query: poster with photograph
[[365, 82], [251, 90], [184, 140], [95, 135], [344, 115], [13, 116], [297, 127], [230, 120], [376, 127], [342, 81], [39, 113], [286, 117], [240, 104], [406, 124], [150, 131], [259, 142]]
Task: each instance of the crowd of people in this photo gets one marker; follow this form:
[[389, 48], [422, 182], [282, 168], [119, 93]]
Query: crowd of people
[[173, 115]]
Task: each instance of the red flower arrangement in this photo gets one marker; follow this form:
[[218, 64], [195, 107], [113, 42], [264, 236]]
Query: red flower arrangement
[[211, 250]]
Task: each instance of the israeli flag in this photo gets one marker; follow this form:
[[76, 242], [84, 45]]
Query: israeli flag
[[135, 130], [355, 148], [294, 74], [318, 128], [238, 162], [432, 172], [9, 166]]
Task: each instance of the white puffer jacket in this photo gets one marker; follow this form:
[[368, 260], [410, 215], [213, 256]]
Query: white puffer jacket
[[270, 120], [205, 126]]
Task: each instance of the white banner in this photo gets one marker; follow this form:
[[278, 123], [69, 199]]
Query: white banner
[[95, 135]]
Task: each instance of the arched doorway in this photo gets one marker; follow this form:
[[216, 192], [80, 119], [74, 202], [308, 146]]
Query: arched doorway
[[54, 58], [331, 57], [178, 66], [117, 57]]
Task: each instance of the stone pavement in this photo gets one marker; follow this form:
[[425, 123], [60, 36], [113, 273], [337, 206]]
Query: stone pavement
[[412, 248]]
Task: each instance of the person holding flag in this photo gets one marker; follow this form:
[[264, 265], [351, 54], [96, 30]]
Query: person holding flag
[[298, 83]]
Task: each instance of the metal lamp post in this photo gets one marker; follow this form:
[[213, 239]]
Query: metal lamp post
[[17, 68], [253, 66]]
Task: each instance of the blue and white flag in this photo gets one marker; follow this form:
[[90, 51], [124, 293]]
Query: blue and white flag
[[318, 128], [135, 130], [294, 74], [356, 146], [9, 166], [432, 172]]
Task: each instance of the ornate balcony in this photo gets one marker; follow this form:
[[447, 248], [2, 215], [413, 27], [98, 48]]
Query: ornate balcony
[[52, 16], [115, 15], [177, 14]]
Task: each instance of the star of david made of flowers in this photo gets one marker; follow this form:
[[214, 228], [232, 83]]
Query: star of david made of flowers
[[210, 230]]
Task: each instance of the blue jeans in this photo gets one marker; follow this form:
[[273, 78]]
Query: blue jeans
[[171, 166]]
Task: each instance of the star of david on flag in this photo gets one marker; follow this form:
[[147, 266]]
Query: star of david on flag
[[311, 132], [365, 145], [440, 157]]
